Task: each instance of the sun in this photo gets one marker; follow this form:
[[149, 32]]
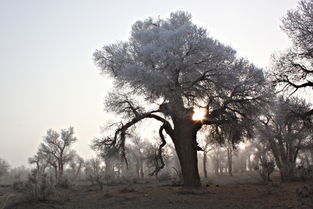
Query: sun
[[198, 114]]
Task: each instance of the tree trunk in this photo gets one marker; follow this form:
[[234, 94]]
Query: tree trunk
[[230, 160], [205, 159], [61, 170], [56, 172], [185, 134], [287, 172], [137, 168], [60, 166], [286, 165], [249, 163], [108, 172], [141, 168]]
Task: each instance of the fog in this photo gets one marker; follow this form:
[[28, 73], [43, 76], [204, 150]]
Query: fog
[[47, 75], [176, 104]]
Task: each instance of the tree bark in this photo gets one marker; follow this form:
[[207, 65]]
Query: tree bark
[[185, 133], [205, 159]]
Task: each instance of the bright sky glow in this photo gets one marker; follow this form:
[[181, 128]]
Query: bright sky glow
[[47, 75], [199, 114]]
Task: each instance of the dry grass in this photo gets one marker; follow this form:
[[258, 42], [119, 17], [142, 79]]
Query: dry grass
[[238, 195]]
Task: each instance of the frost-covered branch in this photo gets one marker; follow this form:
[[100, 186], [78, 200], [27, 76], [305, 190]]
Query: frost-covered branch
[[293, 69]]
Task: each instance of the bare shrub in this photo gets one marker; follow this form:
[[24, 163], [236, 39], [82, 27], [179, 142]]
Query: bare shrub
[[64, 183], [95, 172], [265, 170], [39, 186]]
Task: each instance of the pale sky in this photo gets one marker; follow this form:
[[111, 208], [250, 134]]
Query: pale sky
[[47, 75]]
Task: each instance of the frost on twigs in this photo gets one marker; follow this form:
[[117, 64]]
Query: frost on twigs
[[292, 69]]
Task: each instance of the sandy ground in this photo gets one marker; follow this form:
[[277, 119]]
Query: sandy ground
[[238, 192]]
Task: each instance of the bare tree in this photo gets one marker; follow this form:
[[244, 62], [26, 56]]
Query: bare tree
[[228, 136], [174, 66], [206, 149], [41, 161], [294, 68], [4, 167], [76, 166], [56, 149], [230, 150], [140, 149], [263, 159], [285, 132], [208, 145]]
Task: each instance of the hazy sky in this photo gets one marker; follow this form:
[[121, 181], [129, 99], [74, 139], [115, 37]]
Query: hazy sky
[[47, 75]]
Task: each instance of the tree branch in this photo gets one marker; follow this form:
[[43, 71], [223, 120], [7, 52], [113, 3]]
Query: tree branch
[[120, 134], [159, 155]]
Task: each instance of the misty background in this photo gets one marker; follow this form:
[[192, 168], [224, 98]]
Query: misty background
[[47, 75]]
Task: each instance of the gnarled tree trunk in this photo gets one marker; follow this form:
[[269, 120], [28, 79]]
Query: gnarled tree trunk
[[185, 134]]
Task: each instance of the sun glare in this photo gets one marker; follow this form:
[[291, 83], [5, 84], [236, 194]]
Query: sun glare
[[199, 114]]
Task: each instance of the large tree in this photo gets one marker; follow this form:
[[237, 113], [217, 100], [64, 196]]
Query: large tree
[[294, 67], [166, 69]]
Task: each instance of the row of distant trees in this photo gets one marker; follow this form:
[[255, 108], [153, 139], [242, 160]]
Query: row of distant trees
[[217, 159]]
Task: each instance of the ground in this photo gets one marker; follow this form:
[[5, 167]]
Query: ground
[[238, 192]]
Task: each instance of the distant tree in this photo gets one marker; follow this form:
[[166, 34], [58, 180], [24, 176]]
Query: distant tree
[[294, 68], [95, 172], [263, 159], [41, 162], [173, 66], [209, 143], [242, 161], [18, 174], [56, 149], [219, 160], [76, 166], [138, 148], [230, 152], [208, 146], [4, 167], [285, 132], [227, 136]]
